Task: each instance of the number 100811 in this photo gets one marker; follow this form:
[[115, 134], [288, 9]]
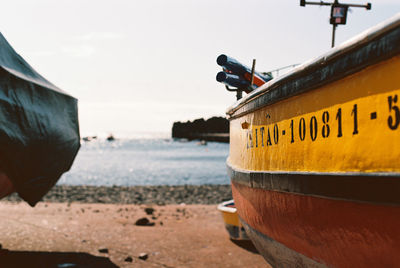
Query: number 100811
[[321, 127]]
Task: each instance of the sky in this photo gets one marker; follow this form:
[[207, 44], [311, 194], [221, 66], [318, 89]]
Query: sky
[[139, 66]]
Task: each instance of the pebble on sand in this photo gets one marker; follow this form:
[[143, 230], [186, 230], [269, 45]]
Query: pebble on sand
[[143, 256], [103, 250], [128, 259], [149, 211], [144, 222]]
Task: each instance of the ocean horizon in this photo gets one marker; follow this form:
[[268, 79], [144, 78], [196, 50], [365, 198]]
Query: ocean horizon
[[148, 158]]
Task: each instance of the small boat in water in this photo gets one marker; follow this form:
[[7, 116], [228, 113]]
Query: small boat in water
[[314, 157], [39, 130]]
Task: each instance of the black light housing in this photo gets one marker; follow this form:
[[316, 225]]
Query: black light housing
[[339, 14]]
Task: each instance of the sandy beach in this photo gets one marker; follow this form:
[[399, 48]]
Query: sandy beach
[[182, 230]]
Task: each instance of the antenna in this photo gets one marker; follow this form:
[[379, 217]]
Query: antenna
[[338, 12]]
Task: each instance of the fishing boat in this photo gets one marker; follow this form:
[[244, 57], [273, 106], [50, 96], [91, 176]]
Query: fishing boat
[[39, 130], [314, 157]]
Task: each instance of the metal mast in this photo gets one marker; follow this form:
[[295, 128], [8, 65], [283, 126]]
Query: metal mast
[[338, 12]]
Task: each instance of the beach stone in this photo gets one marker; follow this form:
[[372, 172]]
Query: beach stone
[[103, 250], [149, 211], [149, 195], [128, 259], [144, 222], [143, 256]]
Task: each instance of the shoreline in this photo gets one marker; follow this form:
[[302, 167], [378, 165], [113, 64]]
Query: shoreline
[[159, 195]]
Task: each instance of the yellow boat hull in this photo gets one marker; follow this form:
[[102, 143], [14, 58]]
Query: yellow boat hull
[[314, 158], [351, 125]]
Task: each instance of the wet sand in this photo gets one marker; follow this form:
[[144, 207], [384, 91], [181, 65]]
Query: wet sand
[[107, 235]]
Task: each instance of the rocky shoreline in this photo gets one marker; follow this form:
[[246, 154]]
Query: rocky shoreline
[[212, 129], [159, 195]]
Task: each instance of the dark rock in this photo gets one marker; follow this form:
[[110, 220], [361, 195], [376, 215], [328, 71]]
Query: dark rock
[[143, 256], [103, 250], [201, 129], [128, 259], [149, 211], [144, 222]]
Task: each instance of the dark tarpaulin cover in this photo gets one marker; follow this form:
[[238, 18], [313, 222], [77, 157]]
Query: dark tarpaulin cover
[[39, 130]]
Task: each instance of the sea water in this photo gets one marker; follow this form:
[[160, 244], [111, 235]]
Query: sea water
[[148, 161]]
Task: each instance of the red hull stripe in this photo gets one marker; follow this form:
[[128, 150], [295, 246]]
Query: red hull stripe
[[374, 188], [256, 80], [336, 233]]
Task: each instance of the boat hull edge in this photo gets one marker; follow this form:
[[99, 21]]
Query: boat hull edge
[[330, 232], [277, 254]]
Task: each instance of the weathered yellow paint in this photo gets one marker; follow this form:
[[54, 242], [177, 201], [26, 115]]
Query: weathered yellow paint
[[375, 148], [231, 218]]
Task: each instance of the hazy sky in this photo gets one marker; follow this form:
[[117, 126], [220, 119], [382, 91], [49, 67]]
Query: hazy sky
[[138, 66]]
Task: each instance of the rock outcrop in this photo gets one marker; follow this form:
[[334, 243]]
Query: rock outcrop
[[213, 129]]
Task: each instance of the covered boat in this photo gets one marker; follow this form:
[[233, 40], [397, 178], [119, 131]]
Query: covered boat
[[39, 131], [314, 157]]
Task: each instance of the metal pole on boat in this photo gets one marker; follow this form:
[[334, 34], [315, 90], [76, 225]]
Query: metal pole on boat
[[239, 94], [253, 69], [333, 34], [338, 12]]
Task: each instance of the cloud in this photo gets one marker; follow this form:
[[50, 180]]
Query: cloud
[[100, 36], [86, 46], [41, 53], [388, 2], [123, 116], [78, 51]]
